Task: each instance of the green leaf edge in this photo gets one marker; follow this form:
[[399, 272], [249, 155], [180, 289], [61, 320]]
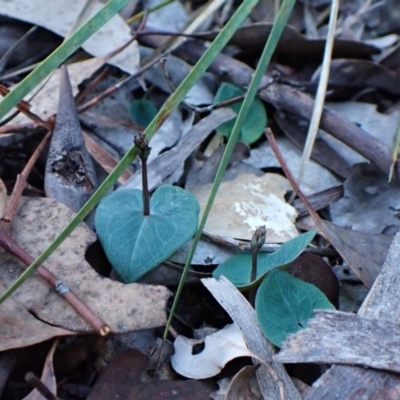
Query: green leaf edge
[[112, 199], [263, 258], [171, 104], [323, 304], [256, 106], [152, 110]]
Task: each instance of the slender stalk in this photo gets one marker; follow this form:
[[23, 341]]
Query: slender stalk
[[143, 150], [145, 189], [253, 265], [257, 241], [253, 290]]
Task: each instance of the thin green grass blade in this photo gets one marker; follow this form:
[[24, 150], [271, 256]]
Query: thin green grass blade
[[279, 25], [55, 59], [170, 105]]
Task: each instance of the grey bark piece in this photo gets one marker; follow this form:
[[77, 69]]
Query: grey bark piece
[[164, 165], [334, 337], [317, 178], [370, 204], [70, 176], [364, 253], [245, 317], [344, 382]]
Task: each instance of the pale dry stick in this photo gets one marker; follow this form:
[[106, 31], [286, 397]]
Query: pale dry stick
[[6, 56], [82, 17], [226, 9], [321, 91], [19, 71]]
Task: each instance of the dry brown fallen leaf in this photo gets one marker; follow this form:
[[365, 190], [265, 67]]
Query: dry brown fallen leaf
[[19, 328], [247, 202], [124, 307], [48, 377], [244, 385], [44, 104], [126, 378]]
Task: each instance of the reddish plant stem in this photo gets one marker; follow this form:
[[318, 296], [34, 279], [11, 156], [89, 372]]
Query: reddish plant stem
[[58, 285], [7, 242], [23, 107], [92, 85], [117, 86], [289, 176]]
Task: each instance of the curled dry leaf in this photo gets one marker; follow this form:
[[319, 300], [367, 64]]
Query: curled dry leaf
[[219, 348], [244, 204], [124, 307], [252, 37], [244, 385]]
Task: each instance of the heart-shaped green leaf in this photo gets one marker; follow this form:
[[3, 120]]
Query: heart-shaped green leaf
[[142, 112], [255, 121], [238, 268], [284, 304], [135, 243]]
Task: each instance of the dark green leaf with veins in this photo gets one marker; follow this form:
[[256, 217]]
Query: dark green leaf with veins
[[135, 243]]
